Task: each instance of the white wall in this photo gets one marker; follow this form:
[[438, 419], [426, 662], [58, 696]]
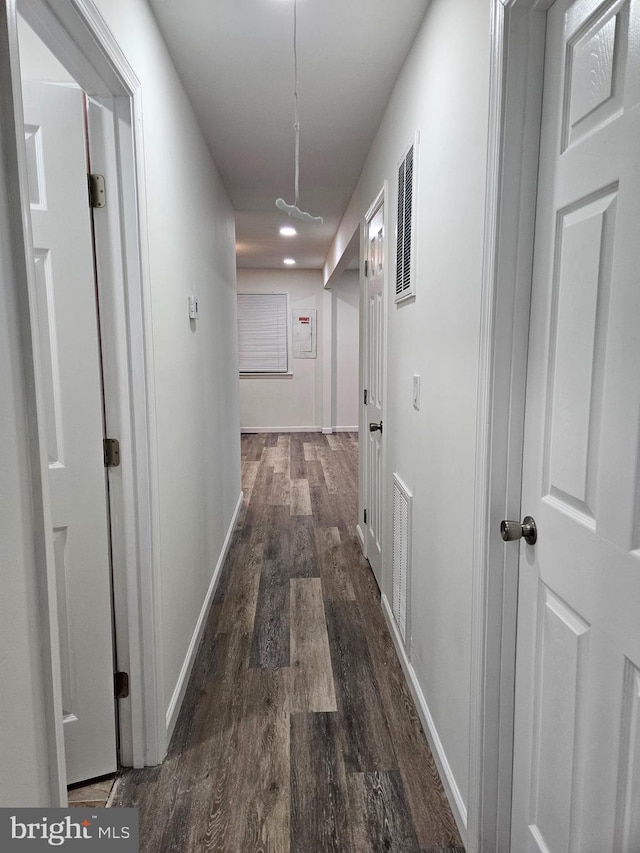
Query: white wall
[[322, 392], [442, 92], [346, 350], [191, 251], [291, 402]]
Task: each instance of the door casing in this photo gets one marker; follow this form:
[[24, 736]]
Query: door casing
[[516, 78], [381, 200], [75, 31]]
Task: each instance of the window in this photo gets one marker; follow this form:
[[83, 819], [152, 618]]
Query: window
[[263, 341]]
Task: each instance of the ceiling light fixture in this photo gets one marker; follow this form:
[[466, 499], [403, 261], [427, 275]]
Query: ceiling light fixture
[[289, 261], [288, 231], [281, 204]]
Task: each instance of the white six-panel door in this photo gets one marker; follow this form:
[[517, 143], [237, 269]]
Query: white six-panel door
[[576, 782], [72, 385], [374, 386]]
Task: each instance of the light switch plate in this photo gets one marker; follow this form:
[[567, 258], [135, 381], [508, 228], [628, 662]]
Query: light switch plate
[[193, 307], [416, 391]]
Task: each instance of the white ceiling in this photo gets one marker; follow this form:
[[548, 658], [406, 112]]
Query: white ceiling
[[235, 58]]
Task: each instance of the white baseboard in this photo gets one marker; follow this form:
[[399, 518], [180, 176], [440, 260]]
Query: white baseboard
[[183, 679], [282, 429], [360, 536], [323, 430], [456, 800]]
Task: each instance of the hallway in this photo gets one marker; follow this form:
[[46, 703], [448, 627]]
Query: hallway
[[298, 731]]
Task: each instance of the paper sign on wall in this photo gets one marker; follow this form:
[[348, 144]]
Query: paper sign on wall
[[304, 333]]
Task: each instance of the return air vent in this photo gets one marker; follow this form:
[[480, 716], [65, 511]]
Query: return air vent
[[405, 247], [402, 500]]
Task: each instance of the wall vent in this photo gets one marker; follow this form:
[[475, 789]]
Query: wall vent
[[402, 501], [405, 245]]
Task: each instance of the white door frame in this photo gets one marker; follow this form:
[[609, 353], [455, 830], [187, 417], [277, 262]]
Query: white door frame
[[517, 64], [79, 37], [381, 199]]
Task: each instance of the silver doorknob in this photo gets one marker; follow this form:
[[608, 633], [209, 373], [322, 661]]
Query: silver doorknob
[[512, 530], [375, 427]]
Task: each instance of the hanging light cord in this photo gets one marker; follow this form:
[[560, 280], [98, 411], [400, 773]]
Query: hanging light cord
[[281, 204], [296, 119]]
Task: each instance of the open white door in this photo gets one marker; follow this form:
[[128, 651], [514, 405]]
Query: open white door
[[576, 780], [374, 276], [69, 345]]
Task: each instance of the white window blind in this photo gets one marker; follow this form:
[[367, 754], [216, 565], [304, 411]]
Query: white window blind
[[263, 343]]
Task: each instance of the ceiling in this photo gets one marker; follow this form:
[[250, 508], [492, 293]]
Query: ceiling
[[235, 58]]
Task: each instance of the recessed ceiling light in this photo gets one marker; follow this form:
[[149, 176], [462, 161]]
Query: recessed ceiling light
[[288, 231], [289, 261]]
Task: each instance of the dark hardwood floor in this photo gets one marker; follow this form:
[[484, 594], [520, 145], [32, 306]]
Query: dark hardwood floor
[[298, 732]]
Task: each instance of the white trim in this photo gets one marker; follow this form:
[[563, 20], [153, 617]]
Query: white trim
[[514, 130], [183, 679], [345, 428], [381, 200], [485, 632], [144, 630], [287, 375], [386, 533], [328, 362], [360, 536], [362, 378], [454, 795], [282, 429]]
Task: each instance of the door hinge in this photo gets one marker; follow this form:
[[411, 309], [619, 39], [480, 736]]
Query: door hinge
[[97, 194], [366, 269], [121, 685], [366, 396], [111, 452], [365, 516]]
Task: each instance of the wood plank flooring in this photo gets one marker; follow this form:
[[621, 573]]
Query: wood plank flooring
[[298, 733]]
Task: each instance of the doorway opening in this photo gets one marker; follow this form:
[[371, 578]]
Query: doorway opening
[[67, 307], [346, 321], [52, 42]]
